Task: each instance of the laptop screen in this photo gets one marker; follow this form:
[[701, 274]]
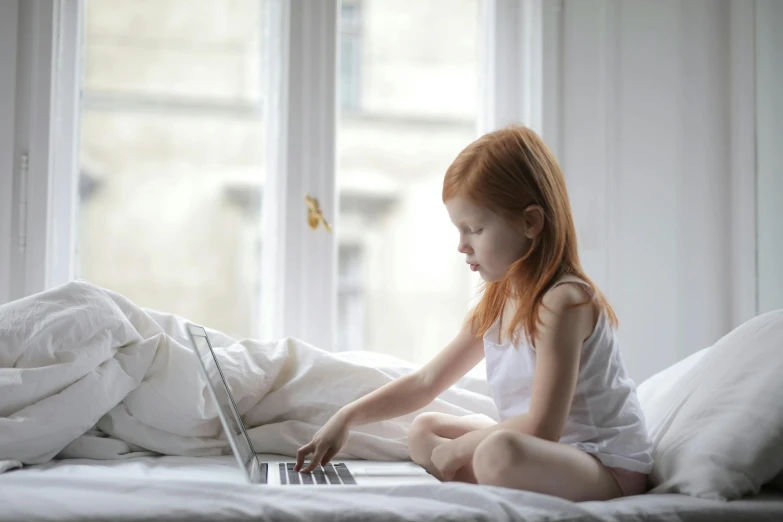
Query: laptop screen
[[238, 438]]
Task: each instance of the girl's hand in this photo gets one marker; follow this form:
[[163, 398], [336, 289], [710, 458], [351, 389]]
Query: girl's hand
[[327, 442], [447, 460]]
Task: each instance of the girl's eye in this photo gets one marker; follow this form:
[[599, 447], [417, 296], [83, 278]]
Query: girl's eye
[[477, 231]]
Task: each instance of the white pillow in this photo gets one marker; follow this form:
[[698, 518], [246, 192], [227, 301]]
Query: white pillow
[[654, 389], [716, 417]]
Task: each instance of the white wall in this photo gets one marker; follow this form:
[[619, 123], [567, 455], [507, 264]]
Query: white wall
[[643, 136], [8, 23], [643, 133], [769, 114]]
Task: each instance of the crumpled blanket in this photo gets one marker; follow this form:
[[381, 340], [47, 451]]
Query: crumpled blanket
[[86, 373]]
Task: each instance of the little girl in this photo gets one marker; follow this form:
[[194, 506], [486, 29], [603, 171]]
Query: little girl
[[570, 422]]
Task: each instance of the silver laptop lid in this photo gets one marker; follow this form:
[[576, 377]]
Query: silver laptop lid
[[236, 434]]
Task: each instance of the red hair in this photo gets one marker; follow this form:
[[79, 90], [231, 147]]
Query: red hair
[[507, 171]]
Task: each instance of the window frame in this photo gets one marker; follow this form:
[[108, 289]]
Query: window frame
[[9, 14], [298, 266], [45, 146], [511, 73]]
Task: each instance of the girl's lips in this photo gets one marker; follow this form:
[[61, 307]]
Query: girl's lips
[[474, 267]]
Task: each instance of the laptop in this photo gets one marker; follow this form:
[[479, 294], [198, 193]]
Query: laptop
[[276, 470]]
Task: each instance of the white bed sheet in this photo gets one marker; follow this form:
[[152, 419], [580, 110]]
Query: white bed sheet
[[212, 488]]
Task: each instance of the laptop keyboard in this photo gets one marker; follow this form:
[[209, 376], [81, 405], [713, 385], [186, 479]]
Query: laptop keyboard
[[329, 475]]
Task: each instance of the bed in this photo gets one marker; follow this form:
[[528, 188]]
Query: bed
[[94, 390], [213, 488]]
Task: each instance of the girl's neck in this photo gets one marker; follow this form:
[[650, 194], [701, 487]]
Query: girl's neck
[[507, 312]]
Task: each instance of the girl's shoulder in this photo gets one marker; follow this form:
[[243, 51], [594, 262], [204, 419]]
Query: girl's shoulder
[[570, 301], [568, 292]]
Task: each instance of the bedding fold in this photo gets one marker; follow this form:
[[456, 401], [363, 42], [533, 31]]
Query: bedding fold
[[86, 373]]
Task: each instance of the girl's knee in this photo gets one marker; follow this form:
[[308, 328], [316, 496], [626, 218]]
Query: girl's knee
[[502, 445], [423, 426], [497, 455], [420, 438]]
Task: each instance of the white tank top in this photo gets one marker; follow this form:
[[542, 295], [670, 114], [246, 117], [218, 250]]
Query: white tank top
[[605, 420]]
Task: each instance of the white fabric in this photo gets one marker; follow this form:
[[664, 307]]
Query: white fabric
[[653, 391], [716, 418], [86, 373], [6, 465], [605, 418], [191, 489]]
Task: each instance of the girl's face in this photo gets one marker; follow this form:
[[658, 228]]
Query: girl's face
[[491, 243]]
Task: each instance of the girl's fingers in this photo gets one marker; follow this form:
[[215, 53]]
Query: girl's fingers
[[329, 456], [315, 461], [303, 452]]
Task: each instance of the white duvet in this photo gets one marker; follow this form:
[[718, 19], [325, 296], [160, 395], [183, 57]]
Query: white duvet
[[85, 373]]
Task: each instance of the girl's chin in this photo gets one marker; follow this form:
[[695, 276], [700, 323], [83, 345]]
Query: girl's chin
[[487, 278]]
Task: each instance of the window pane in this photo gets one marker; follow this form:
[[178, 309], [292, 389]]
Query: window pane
[[409, 99], [172, 156]]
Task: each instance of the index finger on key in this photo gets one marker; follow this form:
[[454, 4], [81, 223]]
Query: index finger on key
[[303, 452], [315, 461]]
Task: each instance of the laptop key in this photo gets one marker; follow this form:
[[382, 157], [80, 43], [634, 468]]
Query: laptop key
[[323, 476], [345, 474], [319, 476], [331, 474]]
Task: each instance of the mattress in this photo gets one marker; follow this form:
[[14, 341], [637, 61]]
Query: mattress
[[211, 488]]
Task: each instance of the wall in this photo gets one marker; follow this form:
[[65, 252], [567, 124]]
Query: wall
[[769, 114], [643, 137]]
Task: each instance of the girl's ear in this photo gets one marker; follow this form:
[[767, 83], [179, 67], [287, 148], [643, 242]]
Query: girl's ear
[[533, 220]]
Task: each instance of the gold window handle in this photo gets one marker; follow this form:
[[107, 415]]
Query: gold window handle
[[314, 215]]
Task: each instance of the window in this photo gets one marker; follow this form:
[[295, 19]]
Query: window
[[417, 110], [172, 163], [350, 54], [172, 134], [350, 298], [174, 166]]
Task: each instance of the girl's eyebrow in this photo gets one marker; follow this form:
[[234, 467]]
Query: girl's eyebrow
[[473, 220]]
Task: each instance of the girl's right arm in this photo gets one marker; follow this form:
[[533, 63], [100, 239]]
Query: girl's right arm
[[401, 396], [416, 390]]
